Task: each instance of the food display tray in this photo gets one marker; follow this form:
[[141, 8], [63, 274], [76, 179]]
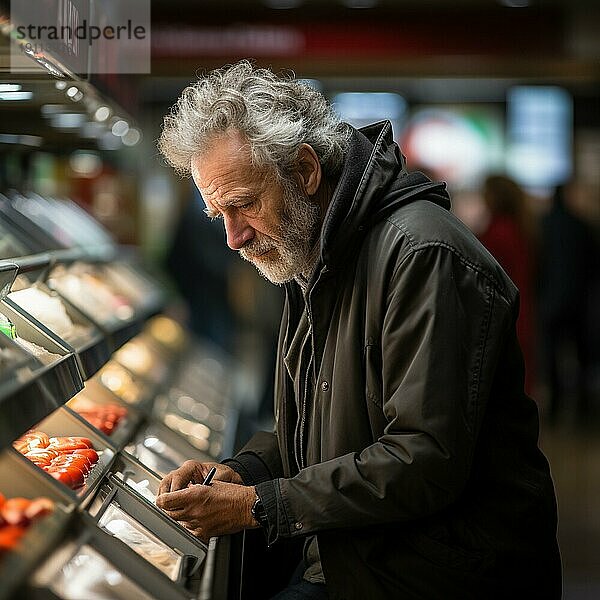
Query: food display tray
[[91, 349], [102, 396], [123, 574], [38, 541], [64, 422], [20, 480], [143, 483], [35, 389], [154, 523]]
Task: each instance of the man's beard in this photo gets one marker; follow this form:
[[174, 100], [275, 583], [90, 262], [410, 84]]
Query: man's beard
[[293, 250]]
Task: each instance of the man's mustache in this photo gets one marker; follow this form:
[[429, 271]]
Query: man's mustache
[[256, 248]]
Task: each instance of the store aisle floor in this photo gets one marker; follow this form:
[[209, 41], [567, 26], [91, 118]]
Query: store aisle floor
[[574, 455]]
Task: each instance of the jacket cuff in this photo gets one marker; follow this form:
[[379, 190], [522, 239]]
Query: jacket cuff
[[277, 520], [249, 467]]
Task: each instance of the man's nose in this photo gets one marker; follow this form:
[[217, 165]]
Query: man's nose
[[238, 231]]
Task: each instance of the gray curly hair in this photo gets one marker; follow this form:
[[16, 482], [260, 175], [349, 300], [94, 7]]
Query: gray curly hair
[[275, 114]]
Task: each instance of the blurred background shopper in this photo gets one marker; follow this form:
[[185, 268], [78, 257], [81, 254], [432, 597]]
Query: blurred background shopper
[[509, 236], [568, 279]]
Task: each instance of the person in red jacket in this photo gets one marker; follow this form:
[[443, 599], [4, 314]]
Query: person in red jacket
[[509, 237]]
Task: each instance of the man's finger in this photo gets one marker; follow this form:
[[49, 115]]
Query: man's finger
[[192, 524], [180, 480], [165, 484], [180, 514], [185, 498], [174, 500]]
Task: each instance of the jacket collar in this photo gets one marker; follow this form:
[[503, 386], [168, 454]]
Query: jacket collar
[[346, 206], [373, 183]]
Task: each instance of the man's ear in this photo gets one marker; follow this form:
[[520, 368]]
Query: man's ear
[[309, 169]]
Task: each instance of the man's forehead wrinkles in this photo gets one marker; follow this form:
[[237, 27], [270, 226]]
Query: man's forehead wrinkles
[[227, 198], [213, 184], [227, 177]]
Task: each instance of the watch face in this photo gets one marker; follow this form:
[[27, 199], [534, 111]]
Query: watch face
[[259, 513]]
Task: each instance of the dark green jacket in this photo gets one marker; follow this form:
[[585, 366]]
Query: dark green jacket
[[421, 474]]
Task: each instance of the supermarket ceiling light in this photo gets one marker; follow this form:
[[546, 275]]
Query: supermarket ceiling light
[[9, 87], [120, 128], [102, 113], [132, 137], [10, 96], [74, 93], [369, 105], [31, 140]]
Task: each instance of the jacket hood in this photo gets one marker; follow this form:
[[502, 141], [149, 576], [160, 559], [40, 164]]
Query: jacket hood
[[373, 183]]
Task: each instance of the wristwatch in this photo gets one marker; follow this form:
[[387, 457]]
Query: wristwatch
[[259, 513]]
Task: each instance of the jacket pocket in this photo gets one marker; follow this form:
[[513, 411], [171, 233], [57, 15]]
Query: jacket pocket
[[373, 370], [436, 547]]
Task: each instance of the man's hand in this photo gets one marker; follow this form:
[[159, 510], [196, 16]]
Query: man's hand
[[192, 471], [211, 510]]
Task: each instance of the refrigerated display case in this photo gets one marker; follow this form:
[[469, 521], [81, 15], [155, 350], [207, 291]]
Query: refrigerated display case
[[143, 394], [91, 563], [19, 560], [87, 352]]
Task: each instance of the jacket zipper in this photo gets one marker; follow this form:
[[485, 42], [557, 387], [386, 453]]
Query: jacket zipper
[[299, 433], [303, 418]]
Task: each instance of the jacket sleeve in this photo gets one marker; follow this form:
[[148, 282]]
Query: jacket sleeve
[[259, 460], [443, 326]]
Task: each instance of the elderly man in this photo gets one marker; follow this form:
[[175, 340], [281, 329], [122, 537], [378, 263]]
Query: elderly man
[[405, 450]]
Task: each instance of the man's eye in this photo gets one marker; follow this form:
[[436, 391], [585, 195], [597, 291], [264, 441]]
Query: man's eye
[[250, 208]]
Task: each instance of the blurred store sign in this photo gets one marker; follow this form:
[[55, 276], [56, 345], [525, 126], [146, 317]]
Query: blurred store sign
[[363, 108], [458, 144], [409, 37], [263, 40], [540, 126]]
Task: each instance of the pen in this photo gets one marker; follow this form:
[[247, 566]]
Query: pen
[[209, 477]]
